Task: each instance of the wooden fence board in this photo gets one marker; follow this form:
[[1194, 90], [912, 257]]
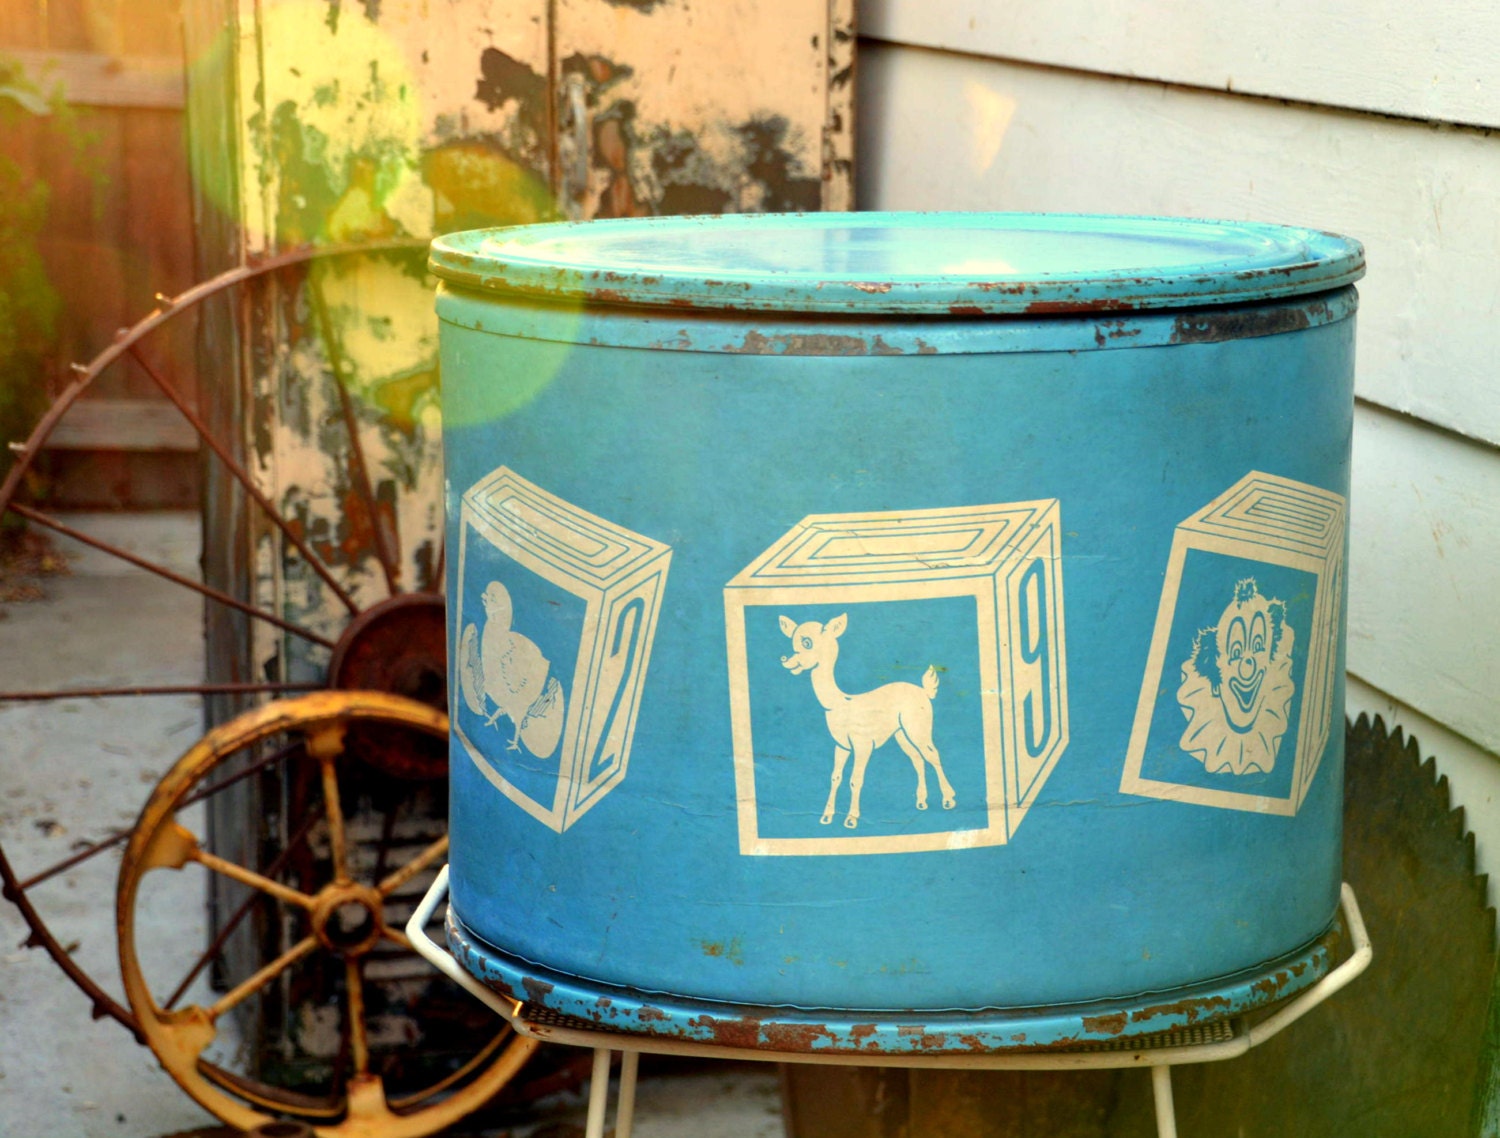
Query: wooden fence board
[[91, 79], [123, 424], [119, 227]]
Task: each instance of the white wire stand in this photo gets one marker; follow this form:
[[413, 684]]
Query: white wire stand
[[1159, 1053]]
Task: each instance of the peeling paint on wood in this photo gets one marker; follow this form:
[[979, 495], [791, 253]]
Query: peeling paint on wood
[[377, 119]]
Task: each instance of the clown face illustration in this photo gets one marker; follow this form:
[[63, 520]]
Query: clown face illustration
[[1243, 638], [1237, 685]]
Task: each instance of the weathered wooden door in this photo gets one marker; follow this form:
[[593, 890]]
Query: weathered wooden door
[[329, 122]]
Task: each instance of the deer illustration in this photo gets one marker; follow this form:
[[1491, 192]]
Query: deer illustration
[[862, 722]]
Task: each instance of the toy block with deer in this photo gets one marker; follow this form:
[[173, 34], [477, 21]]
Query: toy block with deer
[[898, 679]]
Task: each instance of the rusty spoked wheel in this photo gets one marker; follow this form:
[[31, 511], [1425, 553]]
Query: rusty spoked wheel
[[378, 626], [357, 656], [332, 903]]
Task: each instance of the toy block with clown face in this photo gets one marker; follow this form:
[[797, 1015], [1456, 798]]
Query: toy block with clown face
[[1242, 680]]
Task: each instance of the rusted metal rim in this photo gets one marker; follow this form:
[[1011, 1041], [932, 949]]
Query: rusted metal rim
[[572, 1002]]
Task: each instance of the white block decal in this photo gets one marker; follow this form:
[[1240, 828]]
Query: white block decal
[[871, 652], [1238, 697], [556, 613]]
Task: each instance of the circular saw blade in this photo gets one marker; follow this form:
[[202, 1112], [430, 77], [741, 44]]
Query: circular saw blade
[[1405, 1050]]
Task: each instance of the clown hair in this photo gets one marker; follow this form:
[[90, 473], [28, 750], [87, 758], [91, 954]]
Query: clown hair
[[1278, 622], [1205, 656]]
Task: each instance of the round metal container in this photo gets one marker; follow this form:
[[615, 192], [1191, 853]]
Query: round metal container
[[907, 615]]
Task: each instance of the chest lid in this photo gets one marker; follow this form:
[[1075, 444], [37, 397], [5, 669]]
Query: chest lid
[[914, 264]]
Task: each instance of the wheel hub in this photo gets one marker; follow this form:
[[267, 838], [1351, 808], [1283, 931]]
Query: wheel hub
[[348, 919], [399, 647]]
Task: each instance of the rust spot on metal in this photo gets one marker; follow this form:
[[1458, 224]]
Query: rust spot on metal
[[873, 286], [801, 344], [651, 1015], [537, 991], [1068, 307], [1190, 1011], [861, 1032], [1211, 327], [881, 348], [965, 310], [795, 1036], [1271, 987], [924, 348], [1105, 1025], [732, 950], [730, 1032]]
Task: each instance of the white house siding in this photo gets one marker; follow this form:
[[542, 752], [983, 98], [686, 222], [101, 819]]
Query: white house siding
[[1370, 119]]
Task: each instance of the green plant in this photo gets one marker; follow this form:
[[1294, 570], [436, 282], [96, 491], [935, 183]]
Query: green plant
[[29, 304]]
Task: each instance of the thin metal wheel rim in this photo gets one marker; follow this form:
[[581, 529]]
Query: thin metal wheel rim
[[212, 1086], [14, 887]]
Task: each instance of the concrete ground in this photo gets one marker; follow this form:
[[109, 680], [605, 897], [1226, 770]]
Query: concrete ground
[[77, 769]]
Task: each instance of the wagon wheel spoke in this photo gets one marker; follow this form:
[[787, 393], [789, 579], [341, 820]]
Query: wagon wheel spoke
[[162, 571], [216, 946], [262, 976], [396, 936], [357, 468], [95, 848], [250, 878], [326, 744], [354, 997], [367, 1102], [410, 870], [346, 922], [240, 475]]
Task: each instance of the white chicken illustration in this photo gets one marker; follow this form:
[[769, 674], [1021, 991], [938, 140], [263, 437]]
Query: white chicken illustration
[[503, 667]]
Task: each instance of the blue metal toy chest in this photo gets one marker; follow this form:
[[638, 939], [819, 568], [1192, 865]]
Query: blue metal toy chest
[[889, 621]]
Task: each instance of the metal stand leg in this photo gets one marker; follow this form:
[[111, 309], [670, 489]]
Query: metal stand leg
[[598, 1094], [1166, 1114], [630, 1063]]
